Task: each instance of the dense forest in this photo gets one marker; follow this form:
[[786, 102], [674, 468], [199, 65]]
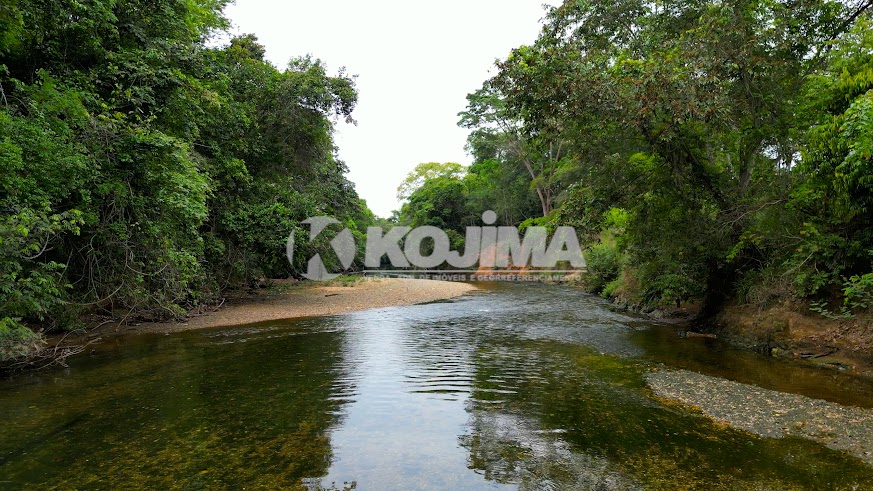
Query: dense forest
[[142, 169], [704, 150]]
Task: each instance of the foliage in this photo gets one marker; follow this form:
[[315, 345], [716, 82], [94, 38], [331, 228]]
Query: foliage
[[834, 190], [17, 341], [603, 266], [734, 138], [424, 172], [857, 295], [143, 170], [440, 200]]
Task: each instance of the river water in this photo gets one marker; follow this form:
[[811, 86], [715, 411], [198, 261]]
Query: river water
[[511, 387]]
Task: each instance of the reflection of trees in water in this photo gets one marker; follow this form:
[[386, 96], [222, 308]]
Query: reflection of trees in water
[[508, 440], [509, 449], [552, 415], [505, 376], [215, 409]]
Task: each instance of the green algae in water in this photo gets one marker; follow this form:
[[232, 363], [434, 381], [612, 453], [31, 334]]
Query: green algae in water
[[600, 405], [500, 390], [175, 413]]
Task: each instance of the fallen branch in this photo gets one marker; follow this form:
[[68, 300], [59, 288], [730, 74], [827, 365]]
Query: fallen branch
[[54, 355]]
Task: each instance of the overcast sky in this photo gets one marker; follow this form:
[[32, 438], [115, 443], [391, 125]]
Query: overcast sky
[[415, 61]]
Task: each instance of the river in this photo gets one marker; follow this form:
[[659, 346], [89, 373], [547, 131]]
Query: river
[[511, 387]]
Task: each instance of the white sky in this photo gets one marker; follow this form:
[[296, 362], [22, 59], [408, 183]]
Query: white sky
[[416, 62]]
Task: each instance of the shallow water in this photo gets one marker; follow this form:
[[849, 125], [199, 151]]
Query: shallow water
[[513, 387]]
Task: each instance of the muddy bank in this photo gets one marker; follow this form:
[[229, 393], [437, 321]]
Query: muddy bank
[[788, 331], [769, 413], [306, 300]]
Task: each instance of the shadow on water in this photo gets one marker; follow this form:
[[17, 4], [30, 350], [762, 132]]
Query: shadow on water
[[514, 387]]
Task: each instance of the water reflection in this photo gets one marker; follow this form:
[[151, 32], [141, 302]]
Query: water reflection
[[401, 432], [200, 410], [715, 357], [552, 398], [518, 387]]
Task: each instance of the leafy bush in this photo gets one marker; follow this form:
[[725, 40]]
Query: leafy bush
[[765, 287], [30, 288], [857, 295], [858, 292], [611, 288], [17, 341], [603, 266]]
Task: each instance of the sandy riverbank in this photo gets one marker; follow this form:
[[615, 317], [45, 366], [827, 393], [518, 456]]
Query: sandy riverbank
[[303, 300]]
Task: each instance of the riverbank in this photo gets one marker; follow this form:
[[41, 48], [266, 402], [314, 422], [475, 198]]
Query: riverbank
[[786, 331], [285, 300], [279, 299], [768, 413], [789, 330]]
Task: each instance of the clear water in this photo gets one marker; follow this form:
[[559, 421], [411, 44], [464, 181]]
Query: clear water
[[513, 387]]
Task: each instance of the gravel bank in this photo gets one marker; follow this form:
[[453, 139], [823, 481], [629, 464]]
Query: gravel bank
[[769, 413], [307, 301]]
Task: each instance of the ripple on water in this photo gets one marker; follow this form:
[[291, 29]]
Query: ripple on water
[[526, 386]]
